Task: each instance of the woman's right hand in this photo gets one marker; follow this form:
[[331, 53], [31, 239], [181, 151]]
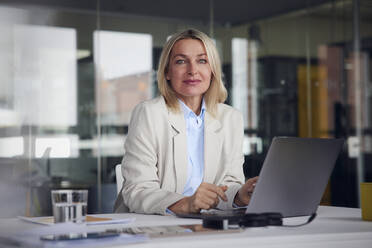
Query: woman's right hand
[[205, 197]]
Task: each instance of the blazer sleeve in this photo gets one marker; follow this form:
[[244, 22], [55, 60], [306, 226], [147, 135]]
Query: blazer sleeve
[[141, 191], [234, 176]]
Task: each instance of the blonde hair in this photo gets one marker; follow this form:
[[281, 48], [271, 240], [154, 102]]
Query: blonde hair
[[216, 92]]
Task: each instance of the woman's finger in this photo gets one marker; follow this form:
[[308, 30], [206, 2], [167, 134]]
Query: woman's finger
[[214, 188]]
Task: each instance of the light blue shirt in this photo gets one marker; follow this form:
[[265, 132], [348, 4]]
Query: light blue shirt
[[195, 148]]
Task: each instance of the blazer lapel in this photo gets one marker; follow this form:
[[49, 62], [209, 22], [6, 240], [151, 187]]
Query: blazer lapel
[[212, 147], [177, 121]]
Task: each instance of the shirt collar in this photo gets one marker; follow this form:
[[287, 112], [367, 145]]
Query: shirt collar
[[189, 113]]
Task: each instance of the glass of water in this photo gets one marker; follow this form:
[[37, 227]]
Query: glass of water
[[69, 205]]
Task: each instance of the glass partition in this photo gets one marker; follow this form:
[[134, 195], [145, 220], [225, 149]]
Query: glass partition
[[70, 77], [296, 75]]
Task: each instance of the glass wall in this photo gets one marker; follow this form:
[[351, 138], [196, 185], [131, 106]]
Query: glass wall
[[71, 76], [308, 74]]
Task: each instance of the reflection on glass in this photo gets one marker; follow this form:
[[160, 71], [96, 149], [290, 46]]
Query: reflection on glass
[[11, 147], [124, 61], [245, 80], [45, 75], [8, 18], [239, 75], [109, 145], [252, 145], [60, 146]]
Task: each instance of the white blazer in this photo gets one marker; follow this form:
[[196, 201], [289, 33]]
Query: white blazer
[[154, 165]]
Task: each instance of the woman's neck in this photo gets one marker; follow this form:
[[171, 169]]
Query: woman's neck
[[194, 103]]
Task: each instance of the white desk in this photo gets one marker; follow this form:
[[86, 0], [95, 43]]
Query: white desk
[[333, 227]]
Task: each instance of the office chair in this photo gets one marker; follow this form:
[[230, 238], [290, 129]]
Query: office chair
[[119, 178]]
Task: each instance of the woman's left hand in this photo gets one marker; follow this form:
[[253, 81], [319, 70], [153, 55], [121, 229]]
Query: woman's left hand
[[244, 194]]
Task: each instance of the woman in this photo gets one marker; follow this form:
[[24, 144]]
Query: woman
[[183, 152]]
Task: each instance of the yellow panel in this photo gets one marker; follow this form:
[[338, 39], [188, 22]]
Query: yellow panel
[[318, 108], [318, 102]]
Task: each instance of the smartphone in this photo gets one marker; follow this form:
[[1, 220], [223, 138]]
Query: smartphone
[[75, 236]]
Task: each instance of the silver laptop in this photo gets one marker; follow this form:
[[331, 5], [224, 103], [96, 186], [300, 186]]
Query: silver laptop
[[294, 175], [292, 179]]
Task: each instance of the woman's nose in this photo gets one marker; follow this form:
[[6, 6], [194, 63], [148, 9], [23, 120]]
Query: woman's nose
[[192, 70]]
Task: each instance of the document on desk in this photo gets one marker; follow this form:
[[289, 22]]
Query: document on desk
[[91, 220], [35, 241], [33, 237]]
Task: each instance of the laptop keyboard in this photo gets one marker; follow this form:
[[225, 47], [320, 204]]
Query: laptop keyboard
[[230, 212]]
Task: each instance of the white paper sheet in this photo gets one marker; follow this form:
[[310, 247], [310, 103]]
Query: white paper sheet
[[104, 221]]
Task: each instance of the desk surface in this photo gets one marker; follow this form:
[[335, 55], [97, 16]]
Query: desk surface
[[333, 227]]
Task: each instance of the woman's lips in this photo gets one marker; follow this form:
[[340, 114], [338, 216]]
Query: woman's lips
[[191, 81]]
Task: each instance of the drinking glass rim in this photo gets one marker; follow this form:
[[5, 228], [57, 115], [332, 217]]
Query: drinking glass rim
[[67, 191]]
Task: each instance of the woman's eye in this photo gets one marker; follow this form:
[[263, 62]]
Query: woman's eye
[[203, 61], [180, 61]]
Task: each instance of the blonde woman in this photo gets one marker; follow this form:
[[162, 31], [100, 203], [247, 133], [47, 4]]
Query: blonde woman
[[183, 152]]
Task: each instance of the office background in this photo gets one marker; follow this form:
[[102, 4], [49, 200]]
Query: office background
[[72, 71]]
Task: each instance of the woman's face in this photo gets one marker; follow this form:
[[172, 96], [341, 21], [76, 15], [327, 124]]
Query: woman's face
[[189, 71]]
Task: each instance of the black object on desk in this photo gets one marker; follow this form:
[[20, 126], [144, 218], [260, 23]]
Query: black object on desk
[[246, 220]]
